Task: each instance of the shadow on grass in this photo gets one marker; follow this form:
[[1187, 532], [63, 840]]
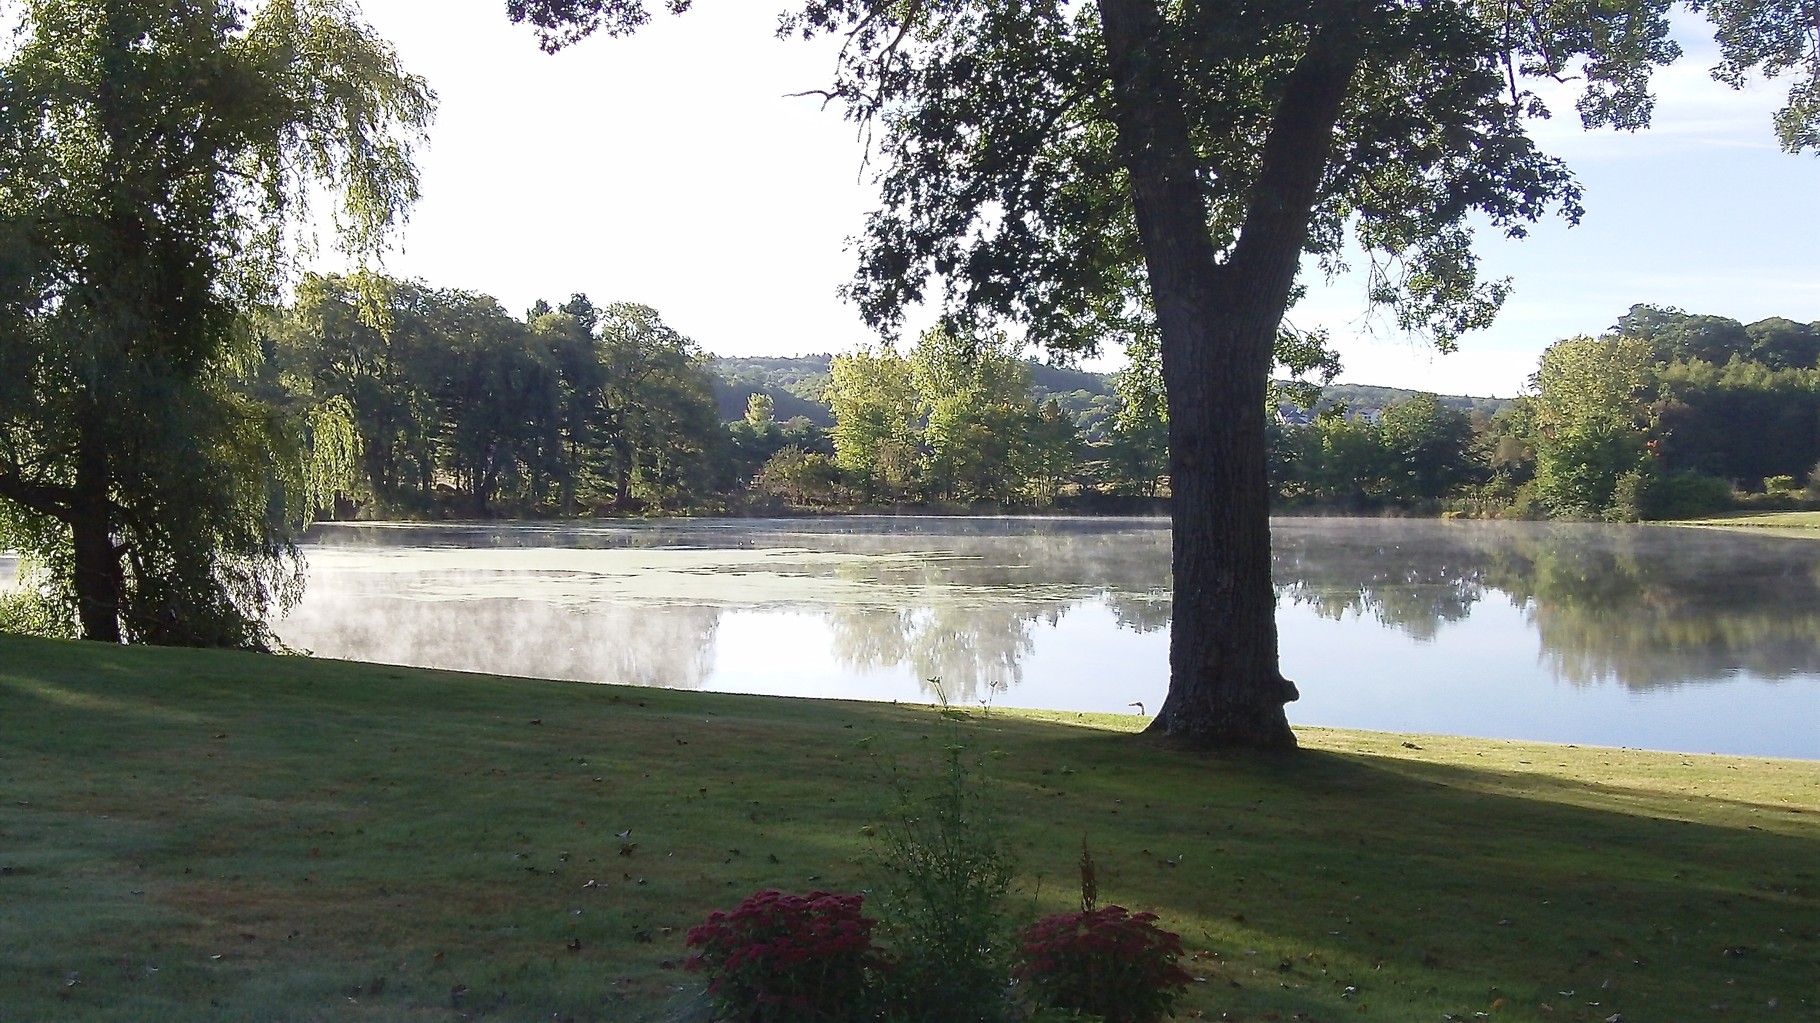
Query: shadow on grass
[[439, 832], [1460, 888]]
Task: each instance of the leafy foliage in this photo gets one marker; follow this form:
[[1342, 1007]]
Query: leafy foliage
[[578, 407], [1589, 414], [959, 419], [986, 438], [876, 429], [780, 958], [802, 478], [1645, 420], [1673, 335], [1108, 961], [1430, 445], [28, 612], [157, 156], [561, 22], [1112, 170], [796, 386], [1741, 421], [945, 869]]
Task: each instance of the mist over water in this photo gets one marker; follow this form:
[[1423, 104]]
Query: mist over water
[[1655, 637]]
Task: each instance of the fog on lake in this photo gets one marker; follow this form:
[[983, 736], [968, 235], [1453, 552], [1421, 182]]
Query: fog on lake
[[1656, 637]]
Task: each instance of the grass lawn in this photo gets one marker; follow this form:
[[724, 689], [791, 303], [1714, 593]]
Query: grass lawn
[[1797, 522], [192, 835]]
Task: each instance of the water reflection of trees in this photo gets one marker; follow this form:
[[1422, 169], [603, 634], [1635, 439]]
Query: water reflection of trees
[[974, 653], [1658, 607], [368, 617], [953, 599], [1143, 612], [1646, 607], [981, 595], [1414, 584], [962, 600]]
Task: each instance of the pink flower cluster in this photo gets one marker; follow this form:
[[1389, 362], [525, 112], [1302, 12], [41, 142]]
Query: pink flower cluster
[[1107, 962], [780, 957]]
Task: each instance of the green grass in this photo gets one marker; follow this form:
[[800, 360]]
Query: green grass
[[1797, 522], [191, 835]]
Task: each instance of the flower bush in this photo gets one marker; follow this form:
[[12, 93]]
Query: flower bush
[[1108, 962], [780, 958]]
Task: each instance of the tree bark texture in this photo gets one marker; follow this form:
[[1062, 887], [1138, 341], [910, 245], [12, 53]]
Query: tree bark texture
[[1218, 324], [98, 580]]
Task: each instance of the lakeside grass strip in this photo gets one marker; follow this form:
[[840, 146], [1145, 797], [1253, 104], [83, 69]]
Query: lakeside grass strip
[[189, 835], [1793, 523]]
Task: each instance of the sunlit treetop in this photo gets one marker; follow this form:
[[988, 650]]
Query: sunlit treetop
[[561, 22]]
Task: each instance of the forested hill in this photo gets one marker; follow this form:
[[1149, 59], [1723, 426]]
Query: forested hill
[[795, 386], [1368, 398]]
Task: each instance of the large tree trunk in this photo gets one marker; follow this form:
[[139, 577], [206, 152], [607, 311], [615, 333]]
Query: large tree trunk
[[1225, 688], [1218, 323], [622, 476], [98, 581]]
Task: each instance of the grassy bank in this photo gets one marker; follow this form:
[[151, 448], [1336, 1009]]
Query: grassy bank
[[189, 835], [1802, 523]]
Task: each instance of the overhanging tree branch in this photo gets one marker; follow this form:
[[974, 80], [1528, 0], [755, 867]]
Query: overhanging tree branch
[[1296, 151], [38, 497]]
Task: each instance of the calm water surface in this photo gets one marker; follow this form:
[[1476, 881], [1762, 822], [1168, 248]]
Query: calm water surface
[[1655, 637]]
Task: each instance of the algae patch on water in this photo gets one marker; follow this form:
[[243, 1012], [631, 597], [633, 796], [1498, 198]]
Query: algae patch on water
[[702, 576]]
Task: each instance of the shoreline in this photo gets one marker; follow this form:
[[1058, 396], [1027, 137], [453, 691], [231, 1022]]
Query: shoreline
[[1804, 524]]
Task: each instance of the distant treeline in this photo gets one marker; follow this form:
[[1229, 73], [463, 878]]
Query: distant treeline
[[798, 386], [1666, 415], [462, 409]]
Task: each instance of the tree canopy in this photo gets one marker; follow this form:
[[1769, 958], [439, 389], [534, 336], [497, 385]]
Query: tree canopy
[[157, 158], [463, 408], [1126, 168]]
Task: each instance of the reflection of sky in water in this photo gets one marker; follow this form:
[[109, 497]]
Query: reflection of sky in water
[[1486, 676], [1654, 638]]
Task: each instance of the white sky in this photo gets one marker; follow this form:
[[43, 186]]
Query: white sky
[[670, 168]]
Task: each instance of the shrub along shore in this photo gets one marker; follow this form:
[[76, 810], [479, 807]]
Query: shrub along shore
[[189, 835]]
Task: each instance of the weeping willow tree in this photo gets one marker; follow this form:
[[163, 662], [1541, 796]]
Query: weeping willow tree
[[157, 158]]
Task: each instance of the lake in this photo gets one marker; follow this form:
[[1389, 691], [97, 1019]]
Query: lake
[[1644, 636]]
